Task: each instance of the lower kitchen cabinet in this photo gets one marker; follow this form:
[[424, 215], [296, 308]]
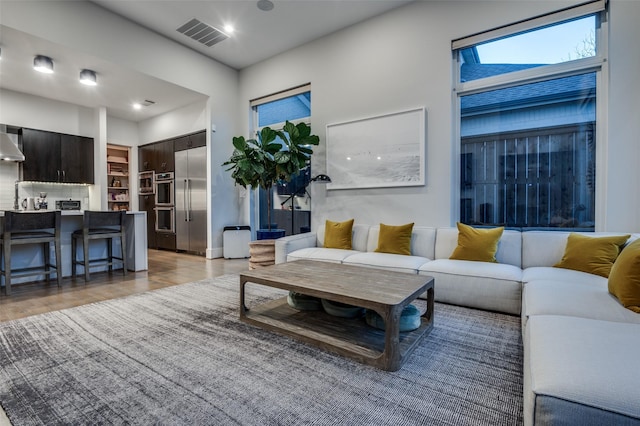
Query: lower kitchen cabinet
[[166, 240]]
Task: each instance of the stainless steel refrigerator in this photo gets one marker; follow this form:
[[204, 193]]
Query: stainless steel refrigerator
[[191, 200]]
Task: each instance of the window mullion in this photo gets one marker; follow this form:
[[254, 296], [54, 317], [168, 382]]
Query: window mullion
[[532, 75]]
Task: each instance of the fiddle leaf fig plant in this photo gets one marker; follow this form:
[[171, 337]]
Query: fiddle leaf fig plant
[[274, 155]]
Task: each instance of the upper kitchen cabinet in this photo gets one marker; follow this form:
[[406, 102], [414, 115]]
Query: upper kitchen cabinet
[[192, 141], [157, 156], [76, 159], [55, 157], [146, 158], [164, 156]]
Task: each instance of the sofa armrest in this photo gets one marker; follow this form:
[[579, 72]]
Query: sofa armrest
[[286, 245]]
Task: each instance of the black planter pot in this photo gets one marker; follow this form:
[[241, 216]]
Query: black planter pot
[[265, 234]]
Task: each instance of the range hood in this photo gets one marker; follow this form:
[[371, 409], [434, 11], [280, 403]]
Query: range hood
[[8, 150]]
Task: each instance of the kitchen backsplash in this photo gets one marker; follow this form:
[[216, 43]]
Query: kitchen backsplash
[[54, 191]]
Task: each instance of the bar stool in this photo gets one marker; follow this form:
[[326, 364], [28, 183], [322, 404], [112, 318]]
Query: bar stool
[[31, 228], [100, 225]]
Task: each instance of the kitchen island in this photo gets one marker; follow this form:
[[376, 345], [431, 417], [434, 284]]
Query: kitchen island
[[31, 255]]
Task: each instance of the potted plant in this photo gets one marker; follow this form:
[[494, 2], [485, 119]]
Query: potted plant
[[274, 155]]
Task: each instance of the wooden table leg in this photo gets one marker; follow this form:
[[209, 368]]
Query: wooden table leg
[[243, 307], [391, 358]]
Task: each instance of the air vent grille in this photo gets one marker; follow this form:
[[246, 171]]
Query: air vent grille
[[202, 33]]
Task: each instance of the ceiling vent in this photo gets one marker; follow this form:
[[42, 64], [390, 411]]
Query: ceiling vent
[[202, 33], [147, 103]]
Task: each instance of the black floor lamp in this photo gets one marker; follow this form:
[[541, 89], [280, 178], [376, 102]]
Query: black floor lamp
[[321, 178]]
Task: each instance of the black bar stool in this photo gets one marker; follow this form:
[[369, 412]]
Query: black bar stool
[[100, 225], [31, 228]]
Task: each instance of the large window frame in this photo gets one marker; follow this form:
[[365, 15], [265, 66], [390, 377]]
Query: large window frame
[[258, 196], [597, 64]]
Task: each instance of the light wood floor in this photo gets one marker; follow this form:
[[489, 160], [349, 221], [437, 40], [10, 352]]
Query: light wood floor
[[165, 269]]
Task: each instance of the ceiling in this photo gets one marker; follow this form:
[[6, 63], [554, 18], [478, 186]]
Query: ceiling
[[118, 88], [258, 35]]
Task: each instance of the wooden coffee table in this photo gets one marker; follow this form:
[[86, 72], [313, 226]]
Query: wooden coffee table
[[385, 292]]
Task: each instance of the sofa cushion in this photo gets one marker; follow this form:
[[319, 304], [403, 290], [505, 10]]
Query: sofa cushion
[[509, 247], [423, 240], [546, 248], [581, 299], [624, 280], [391, 262], [320, 253], [559, 274], [594, 255], [482, 285], [395, 239], [578, 371], [476, 244], [360, 234], [338, 235]]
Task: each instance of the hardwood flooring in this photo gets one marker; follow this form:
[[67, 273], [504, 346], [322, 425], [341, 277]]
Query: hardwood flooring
[[165, 269]]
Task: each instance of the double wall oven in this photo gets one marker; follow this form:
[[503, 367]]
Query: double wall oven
[[165, 202]]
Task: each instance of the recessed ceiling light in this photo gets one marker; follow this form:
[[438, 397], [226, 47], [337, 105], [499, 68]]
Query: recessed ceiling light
[[137, 106], [43, 64], [88, 78], [265, 5], [229, 28]]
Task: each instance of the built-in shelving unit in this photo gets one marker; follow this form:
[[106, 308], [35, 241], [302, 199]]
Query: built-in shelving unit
[[118, 194]]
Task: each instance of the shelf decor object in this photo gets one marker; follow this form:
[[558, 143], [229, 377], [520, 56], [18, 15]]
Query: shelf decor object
[[118, 177], [383, 151]]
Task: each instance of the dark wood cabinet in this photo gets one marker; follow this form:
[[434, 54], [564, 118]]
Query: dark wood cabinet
[[76, 159], [157, 156], [164, 156], [192, 141], [146, 158], [56, 157], [41, 156], [166, 241]]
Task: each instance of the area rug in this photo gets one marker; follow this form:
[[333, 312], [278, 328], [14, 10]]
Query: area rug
[[180, 355]]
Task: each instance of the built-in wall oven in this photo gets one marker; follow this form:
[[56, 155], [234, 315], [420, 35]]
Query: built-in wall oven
[[165, 208], [164, 189]]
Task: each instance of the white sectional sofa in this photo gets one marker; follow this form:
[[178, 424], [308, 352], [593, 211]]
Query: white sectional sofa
[[581, 346]]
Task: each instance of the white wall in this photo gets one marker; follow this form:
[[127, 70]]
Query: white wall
[[88, 28], [623, 133], [402, 59], [188, 119], [23, 110]]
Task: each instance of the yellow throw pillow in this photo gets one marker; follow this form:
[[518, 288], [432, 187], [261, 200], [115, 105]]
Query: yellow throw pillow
[[395, 239], [624, 279], [477, 244], [338, 234], [594, 255]]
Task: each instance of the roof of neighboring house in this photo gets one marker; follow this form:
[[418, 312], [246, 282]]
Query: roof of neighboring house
[[550, 91]]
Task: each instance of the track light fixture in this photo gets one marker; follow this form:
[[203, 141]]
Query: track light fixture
[[88, 77], [43, 64]]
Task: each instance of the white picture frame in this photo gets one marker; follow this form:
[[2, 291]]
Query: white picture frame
[[376, 152]]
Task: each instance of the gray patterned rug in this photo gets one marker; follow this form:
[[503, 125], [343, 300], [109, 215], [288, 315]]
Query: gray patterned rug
[[181, 356]]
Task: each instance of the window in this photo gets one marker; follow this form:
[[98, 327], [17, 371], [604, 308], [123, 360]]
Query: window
[[527, 122], [291, 203]]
